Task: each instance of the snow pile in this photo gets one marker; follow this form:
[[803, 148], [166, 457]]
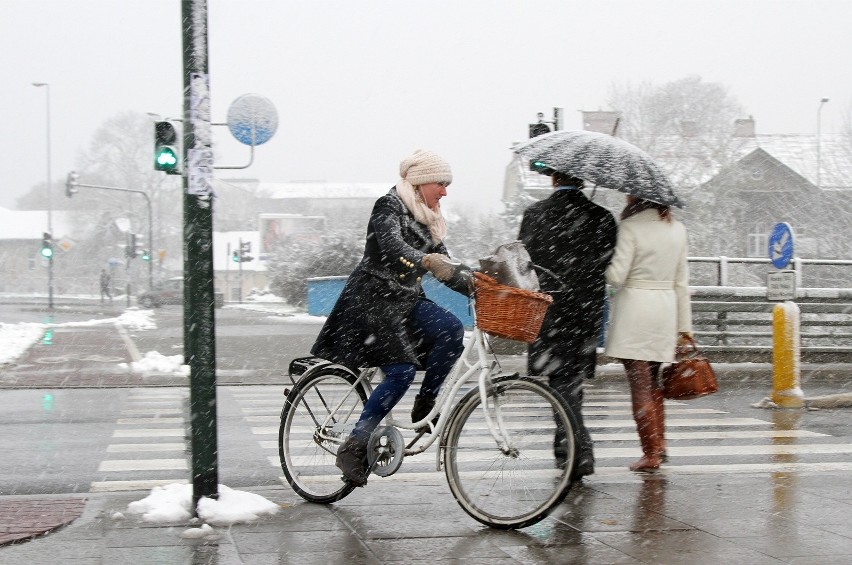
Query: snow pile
[[135, 319], [155, 362], [173, 503], [17, 338]]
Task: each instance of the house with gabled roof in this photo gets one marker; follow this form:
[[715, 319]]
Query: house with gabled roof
[[737, 188]]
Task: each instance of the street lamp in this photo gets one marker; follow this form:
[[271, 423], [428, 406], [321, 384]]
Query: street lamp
[[819, 141], [49, 203]]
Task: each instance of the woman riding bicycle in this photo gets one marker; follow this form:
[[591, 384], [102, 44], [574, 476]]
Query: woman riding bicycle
[[383, 318]]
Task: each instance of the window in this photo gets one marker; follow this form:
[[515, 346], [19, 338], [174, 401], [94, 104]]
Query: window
[[757, 244]]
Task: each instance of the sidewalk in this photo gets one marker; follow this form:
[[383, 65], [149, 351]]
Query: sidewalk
[[621, 518]]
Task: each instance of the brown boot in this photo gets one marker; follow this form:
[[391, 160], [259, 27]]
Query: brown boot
[[659, 413], [649, 438]]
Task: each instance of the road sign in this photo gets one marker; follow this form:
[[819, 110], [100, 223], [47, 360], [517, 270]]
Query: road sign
[[252, 119], [781, 285], [781, 245]]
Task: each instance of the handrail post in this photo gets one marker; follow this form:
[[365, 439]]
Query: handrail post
[[723, 270]]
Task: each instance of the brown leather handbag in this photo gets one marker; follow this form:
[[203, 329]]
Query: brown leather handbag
[[690, 376]]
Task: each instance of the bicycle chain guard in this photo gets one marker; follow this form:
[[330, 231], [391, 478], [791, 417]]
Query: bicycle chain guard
[[385, 451]]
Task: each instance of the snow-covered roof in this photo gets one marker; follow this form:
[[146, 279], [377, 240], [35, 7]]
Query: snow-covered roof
[[32, 224], [692, 161], [322, 189]]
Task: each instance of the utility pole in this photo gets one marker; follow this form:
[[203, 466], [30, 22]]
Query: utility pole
[[199, 317]]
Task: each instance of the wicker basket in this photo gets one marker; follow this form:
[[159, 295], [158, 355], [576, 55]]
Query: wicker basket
[[508, 312]]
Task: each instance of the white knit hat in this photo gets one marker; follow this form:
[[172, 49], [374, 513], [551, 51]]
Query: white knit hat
[[424, 167]]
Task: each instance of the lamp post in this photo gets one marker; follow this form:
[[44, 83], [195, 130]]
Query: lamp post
[[819, 141], [49, 203]]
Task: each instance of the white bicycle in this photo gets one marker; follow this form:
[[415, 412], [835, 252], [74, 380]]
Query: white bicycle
[[496, 444]]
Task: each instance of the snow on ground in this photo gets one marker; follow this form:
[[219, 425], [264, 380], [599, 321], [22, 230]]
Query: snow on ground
[[173, 503], [155, 362]]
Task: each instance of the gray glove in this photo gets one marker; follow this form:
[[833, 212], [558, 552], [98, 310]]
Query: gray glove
[[440, 265]]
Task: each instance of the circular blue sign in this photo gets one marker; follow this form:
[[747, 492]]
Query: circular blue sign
[[252, 119], [781, 245]]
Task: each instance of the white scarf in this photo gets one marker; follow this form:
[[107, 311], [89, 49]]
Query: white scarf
[[431, 217]]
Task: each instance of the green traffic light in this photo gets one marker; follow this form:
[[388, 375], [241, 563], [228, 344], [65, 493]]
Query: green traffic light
[[236, 257], [166, 159], [146, 256], [46, 252]]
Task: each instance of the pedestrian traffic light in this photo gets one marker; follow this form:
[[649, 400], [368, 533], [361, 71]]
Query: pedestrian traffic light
[[46, 246], [540, 167], [132, 246], [245, 249], [146, 255], [165, 148], [236, 257], [539, 129], [71, 184]]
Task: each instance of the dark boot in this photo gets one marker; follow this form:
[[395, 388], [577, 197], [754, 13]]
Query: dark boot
[[422, 406], [352, 460]]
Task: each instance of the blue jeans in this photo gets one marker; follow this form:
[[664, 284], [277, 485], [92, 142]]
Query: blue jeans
[[443, 334]]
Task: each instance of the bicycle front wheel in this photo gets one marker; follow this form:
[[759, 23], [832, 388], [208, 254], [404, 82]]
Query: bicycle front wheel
[[317, 417], [516, 484]]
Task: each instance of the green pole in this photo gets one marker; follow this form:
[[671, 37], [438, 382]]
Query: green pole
[[199, 319]]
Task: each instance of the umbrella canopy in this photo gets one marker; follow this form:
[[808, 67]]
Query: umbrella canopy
[[602, 159]]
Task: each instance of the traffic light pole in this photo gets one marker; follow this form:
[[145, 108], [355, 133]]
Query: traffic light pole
[[71, 189], [199, 318]]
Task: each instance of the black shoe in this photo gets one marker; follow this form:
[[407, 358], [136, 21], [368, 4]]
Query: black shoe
[[585, 466], [422, 406], [352, 460]]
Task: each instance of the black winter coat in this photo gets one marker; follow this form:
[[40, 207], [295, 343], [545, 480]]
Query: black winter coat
[[574, 238], [369, 324]]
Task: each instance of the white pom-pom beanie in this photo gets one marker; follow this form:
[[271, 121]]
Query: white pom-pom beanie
[[424, 167]]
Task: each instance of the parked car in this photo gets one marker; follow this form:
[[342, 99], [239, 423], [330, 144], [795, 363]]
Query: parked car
[[170, 291]]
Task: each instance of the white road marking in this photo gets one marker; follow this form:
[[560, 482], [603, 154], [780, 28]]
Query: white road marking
[[121, 465]]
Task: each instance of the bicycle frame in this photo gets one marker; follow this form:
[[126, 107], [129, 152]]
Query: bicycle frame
[[473, 361]]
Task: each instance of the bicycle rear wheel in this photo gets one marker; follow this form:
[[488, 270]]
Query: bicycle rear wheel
[[518, 486], [310, 434]]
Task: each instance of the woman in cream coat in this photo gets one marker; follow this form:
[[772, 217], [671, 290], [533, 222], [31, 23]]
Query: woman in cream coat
[[650, 313]]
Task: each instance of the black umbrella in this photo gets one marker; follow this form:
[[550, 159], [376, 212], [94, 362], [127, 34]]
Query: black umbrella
[[603, 160]]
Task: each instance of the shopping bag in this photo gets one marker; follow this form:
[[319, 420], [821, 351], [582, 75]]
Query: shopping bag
[[690, 376], [511, 265]]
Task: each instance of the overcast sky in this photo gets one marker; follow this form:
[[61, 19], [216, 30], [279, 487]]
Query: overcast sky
[[360, 85]]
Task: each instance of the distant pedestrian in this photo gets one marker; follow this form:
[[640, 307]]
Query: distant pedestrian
[[573, 237], [650, 315], [105, 281]]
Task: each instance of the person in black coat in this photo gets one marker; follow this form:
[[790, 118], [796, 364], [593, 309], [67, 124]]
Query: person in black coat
[[574, 238], [383, 318]]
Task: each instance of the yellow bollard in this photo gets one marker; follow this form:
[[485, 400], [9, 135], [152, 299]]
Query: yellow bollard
[[786, 353]]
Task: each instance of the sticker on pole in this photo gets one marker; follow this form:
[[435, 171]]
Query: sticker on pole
[[781, 245], [252, 119]]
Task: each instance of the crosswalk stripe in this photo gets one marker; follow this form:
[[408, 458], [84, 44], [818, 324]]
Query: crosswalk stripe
[[132, 447], [153, 420], [119, 486], [117, 465], [729, 450], [150, 432]]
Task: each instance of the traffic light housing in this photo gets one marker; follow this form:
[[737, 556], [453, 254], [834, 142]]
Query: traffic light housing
[[46, 246], [132, 247], [71, 184], [245, 249], [165, 148], [236, 257], [538, 129], [146, 255]]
